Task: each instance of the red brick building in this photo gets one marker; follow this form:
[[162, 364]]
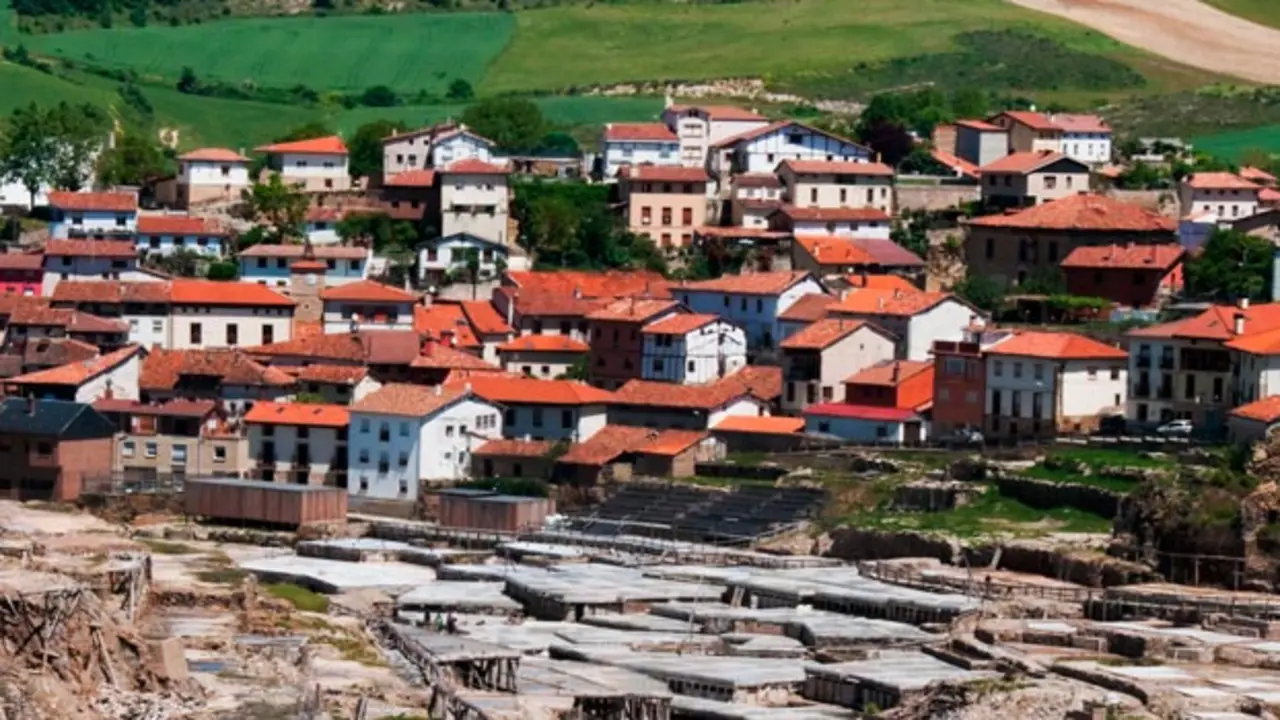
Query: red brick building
[[1131, 275], [617, 344], [51, 447], [959, 386], [892, 383]]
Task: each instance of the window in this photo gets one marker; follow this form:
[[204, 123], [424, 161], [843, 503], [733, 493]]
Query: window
[[1115, 373], [998, 368], [404, 459], [991, 248], [448, 431], [666, 216], [384, 432], [844, 195], [686, 216], [157, 326], [1093, 373], [364, 425], [657, 365], [537, 417], [233, 334], [1050, 182], [364, 456], [404, 429], [566, 419], [197, 334], [219, 453], [268, 334], [646, 215], [151, 449], [179, 454], [813, 195], [1037, 371], [509, 417], [127, 448], [692, 366], [1017, 370]]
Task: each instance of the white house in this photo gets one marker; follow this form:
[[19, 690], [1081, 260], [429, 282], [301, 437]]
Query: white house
[[917, 319], [209, 314], [475, 200], [752, 302], [630, 144], [114, 375], [541, 356], [316, 164], [762, 149], [846, 222], [545, 409], [692, 348], [92, 214], [145, 306], [1254, 422], [1044, 384], [92, 260], [14, 194], [1225, 195], [1086, 138], [404, 435], [270, 264], [433, 147], [700, 127], [817, 359], [166, 234], [298, 443], [211, 175], [440, 256], [371, 305], [664, 405]]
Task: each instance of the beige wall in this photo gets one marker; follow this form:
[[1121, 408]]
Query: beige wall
[[542, 365], [1227, 204], [201, 453], [678, 231], [850, 355], [827, 191], [1043, 186]]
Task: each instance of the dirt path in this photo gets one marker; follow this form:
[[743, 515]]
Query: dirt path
[[1187, 31]]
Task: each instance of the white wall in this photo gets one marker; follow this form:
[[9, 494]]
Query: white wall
[[92, 268], [14, 194], [339, 313], [199, 172], [762, 154], [618, 153], [869, 230], [541, 365], [1086, 393], [452, 252], [855, 353], [1083, 393], [861, 431], [214, 323], [322, 447], [1226, 204], [149, 330], [1090, 148], [487, 194], [945, 321], [703, 355], [459, 147], [123, 381], [584, 421], [313, 165]]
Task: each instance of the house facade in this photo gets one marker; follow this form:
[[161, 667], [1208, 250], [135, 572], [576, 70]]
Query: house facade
[[174, 439], [440, 257], [298, 443], [1137, 276], [817, 359], [831, 222], [51, 448], [22, 274], [617, 345], [691, 349], [545, 409], [634, 144], [166, 234], [916, 319], [701, 128], [92, 214], [762, 149], [211, 175], [113, 375], [315, 165], [271, 264], [367, 304], [475, 200], [91, 260], [433, 147], [1031, 178], [546, 357], [837, 184], [666, 204], [980, 143], [1224, 195], [751, 302]]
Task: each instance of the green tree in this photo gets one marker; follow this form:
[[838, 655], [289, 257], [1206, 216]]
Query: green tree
[[54, 146], [912, 232], [1044, 281], [280, 207], [560, 143], [313, 129], [379, 96], [460, 90], [223, 270], [570, 225], [982, 291], [134, 160], [512, 123], [188, 82], [25, 150], [379, 230], [1230, 266], [365, 147]]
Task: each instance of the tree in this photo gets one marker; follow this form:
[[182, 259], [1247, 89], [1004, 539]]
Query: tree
[[313, 129], [223, 270], [512, 123], [134, 160], [365, 147], [911, 233], [54, 147], [183, 262], [570, 225], [25, 150], [379, 230], [890, 140], [188, 82], [1044, 281], [1231, 265], [379, 96], [460, 90], [981, 291], [560, 143], [283, 208]]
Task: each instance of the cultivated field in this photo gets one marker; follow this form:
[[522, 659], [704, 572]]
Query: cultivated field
[[1266, 12], [1234, 145]]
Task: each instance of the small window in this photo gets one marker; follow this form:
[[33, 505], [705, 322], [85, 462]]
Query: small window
[[219, 453], [404, 429], [179, 454], [152, 449], [127, 449]]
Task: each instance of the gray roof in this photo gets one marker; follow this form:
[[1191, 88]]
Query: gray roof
[[62, 419]]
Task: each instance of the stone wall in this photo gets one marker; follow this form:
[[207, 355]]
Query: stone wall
[[1046, 494], [935, 197]]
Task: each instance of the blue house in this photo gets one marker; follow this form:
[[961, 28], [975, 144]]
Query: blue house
[[753, 302], [272, 264], [92, 214], [163, 234]]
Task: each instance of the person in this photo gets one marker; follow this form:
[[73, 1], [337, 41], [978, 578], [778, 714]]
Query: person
[[440, 622], [451, 625]]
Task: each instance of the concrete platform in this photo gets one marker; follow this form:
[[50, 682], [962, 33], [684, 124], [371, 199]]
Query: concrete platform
[[334, 576]]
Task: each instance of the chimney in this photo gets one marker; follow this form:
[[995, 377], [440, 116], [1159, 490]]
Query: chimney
[[896, 369], [511, 309], [449, 338], [429, 344], [577, 293], [439, 389], [1243, 303], [1239, 328]]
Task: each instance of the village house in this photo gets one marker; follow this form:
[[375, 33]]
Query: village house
[[22, 274], [1024, 179], [644, 451], [751, 391], [404, 435], [432, 147], [316, 164], [92, 214], [837, 184], [91, 260], [32, 323], [445, 258], [817, 359], [832, 222], [173, 439], [298, 443], [666, 204], [1255, 354], [368, 305], [959, 387], [320, 224], [512, 459], [228, 376], [544, 409], [885, 403], [1042, 384], [206, 315], [702, 127], [47, 353], [1011, 247], [448, 322], [474, 200], [438, 362], [1086, 138], [617, 348], [805, 311], [1224, 195], [917, 319], [165, 234], [336, 384], [764, 433], [633, 144], [1137, 276], [980, 143], [488, 326], [691, 349], [113, 375], [51, 449], [760, 150], [752, 302], [1253, 422], [824, 255], [558, 302], [542, 356], [270, 264], [210, 175], [386, 354], [753, 197], [144, 306]]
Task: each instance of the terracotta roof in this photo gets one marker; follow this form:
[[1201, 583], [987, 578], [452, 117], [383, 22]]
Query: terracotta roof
[[1261, 342], [21, 261], [519, 390], [1257, 175], [890, 372], [1056, 346], [1033, 120], [442, 318], [51, 352], [514, 448], [544, 343], [639, 132], [956, 163], [888, 302], [821, 334], [94, 201], [1092, 213], [438, 132], [679, 324], [333, 374], [438, 356], [412, 178], [1266, 410], [331, 145], [91, 248], [409, 400], [73, 320], [737, 231], [1069, 122], [782, 125], [633, 310], [171, 408], [1218, 323], [232, 294], [214, 155], [11, 303], [304, 414], [865, 281], [606, 444], [80, 372], [162, 369], [1218, 181], [766, 283], [474, 166], [765, 180], [484, 318], [322, 252], [826, 167], [374, 347], [664, 174], [609, 284], [809, 308], [760, 424], [814, 214], [308, 265], [670, 442], [316, 214], [1269, 195], [979, 125], [720, 112], [1024, 163], [828, 250], [178, 225], [1125, 257], [763, 383], [367, 291], [871, 413], [542, 304]]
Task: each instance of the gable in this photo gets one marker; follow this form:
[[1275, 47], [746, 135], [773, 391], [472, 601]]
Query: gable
[[796, 135], [1065, 166]]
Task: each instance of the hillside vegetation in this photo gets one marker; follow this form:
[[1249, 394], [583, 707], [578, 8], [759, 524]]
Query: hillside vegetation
[[1263, 12]]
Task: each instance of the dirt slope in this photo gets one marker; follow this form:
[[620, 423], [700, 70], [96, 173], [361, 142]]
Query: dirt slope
[[1187, 31]]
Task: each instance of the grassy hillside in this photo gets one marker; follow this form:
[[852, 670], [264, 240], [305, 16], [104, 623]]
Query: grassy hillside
[[1263, 12], [1234, 145]]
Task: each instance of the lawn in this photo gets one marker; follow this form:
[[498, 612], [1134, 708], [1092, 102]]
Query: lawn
[[1263, 12], [989, 514]]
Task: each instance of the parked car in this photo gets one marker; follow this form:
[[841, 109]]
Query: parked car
[[962, 437], [1175, 427]]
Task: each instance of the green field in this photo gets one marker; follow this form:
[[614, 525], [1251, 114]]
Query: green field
[[1234, 145], [1263, 12]]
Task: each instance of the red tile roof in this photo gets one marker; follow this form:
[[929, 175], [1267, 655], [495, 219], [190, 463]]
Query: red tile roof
[[814, 214], [373, 347], [333, 374], [544, 343], [162, 369], [412, 178], [214, 155], [1024, 163], [301, 414], [890, 373], [611, 441], [473, 166], [865, 281], [754, 180], [1269, 196], [1218, 323], [331, 145], [1125, 257], [827, 250], [51, 352], [871, 413], [720, 112], [1079, 123], [1266, 410], [763, 383], [367, 291], [809, 308], [888, 302], [979, 125], [178, 225], [679, 324], [514, 448], [1056, 346], [172, 408], [1092, 213], [322, 252], [956, 163], [508, 390], [1033, 120], [210, 292], [94, 201], [639, 132], [766, 283], [1218, 181], [73, 320], [442, 318], [670, 443], [21, 261], [821, 334], [438, 356], [409, 400], [110, 292], [760, 424], [632, 310], [91, 248], [609, 284], [80, 372], [664, 174], [1257, 175], [825, 167], [737, 231], [484, 318]]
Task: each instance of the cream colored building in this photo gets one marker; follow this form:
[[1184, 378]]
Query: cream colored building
[[700, 126], [817, 359], [1225, 195], [1029, 131], [545, 357], [433, 147], [316, 165], [837, 184], [475, 200], [209, 314], [1032, 178], [298, 443], [174, 438], [211, 174], [665, 203]]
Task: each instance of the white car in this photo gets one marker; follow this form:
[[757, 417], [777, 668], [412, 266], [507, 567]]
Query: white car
[[1175, 427]]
